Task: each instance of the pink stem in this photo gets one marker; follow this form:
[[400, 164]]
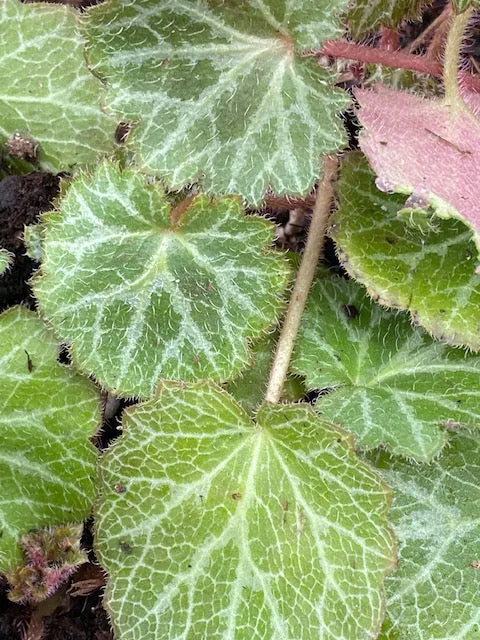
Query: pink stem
[[395, 59]]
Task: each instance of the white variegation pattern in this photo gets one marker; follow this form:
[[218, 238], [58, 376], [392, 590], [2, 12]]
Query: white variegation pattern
[[47, 92], [47, 415], [219, 91], [213, 527], [427, 268], [141, 296], [435, 593], [388, 381]]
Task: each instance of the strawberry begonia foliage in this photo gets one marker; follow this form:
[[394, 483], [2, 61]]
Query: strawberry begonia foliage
[[240, 328]]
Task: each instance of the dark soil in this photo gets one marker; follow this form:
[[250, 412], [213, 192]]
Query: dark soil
[[22, 199]]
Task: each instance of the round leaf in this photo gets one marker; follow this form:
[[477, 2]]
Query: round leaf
[[143, 295], [388, 381], [249, 388], [213, 527], [429, 271], [6, 260], [220, 90]]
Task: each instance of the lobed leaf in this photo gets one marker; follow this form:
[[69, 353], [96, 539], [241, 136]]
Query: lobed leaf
[[365, 16], [274, 530], [427, 269], [47, 414], [142, 295], [436, 163], [387, 381], [220, 91], [434, 593], [48, 93]]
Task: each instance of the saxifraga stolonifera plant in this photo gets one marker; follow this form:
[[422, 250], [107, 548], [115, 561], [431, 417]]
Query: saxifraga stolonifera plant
[[300, 457]]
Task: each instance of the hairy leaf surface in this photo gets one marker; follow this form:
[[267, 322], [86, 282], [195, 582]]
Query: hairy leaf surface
[[365, 16], [434, 594], [219, 90], [143, 295], [47, 414], [48, 93], [427, 268], [389, 382], [6, 259], [436, 163], [274, 530]]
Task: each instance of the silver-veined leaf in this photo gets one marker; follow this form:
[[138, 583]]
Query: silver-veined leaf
[[212, 526], [219, 91], [142, 291], [434, 594], [48, 93], [387, 381]]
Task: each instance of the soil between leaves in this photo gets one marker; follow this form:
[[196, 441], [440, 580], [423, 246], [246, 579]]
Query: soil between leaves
[[22, 199]]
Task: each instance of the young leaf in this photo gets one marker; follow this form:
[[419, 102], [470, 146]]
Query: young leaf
[[434, 593], [430, 272], [249, 388], [274, 530], [6, 259], [143, 295], [47, 414], [48, 93], [391, 384], [220, 90], [436, 163], [365, 16]]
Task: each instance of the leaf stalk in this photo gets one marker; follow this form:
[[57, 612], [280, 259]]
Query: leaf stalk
[[303, 282], [453, 96]]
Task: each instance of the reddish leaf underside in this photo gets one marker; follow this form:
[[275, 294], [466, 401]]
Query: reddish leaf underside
[[424, 148]]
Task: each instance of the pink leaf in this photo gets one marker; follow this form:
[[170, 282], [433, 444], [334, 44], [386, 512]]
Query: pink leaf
[[424, 148]]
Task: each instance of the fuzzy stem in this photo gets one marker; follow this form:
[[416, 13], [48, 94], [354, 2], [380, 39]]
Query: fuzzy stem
[[303, 282], [451, 83], [394, 59], [373, 55]]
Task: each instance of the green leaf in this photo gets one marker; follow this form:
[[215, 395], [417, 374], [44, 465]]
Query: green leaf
[[431, 274], [33, 238], [213, 527], [220, 90], [48, 93], [141, 295], [47, 414], [365, 16], [434, 593], [6, 259], [249, 388], [389, 382]]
